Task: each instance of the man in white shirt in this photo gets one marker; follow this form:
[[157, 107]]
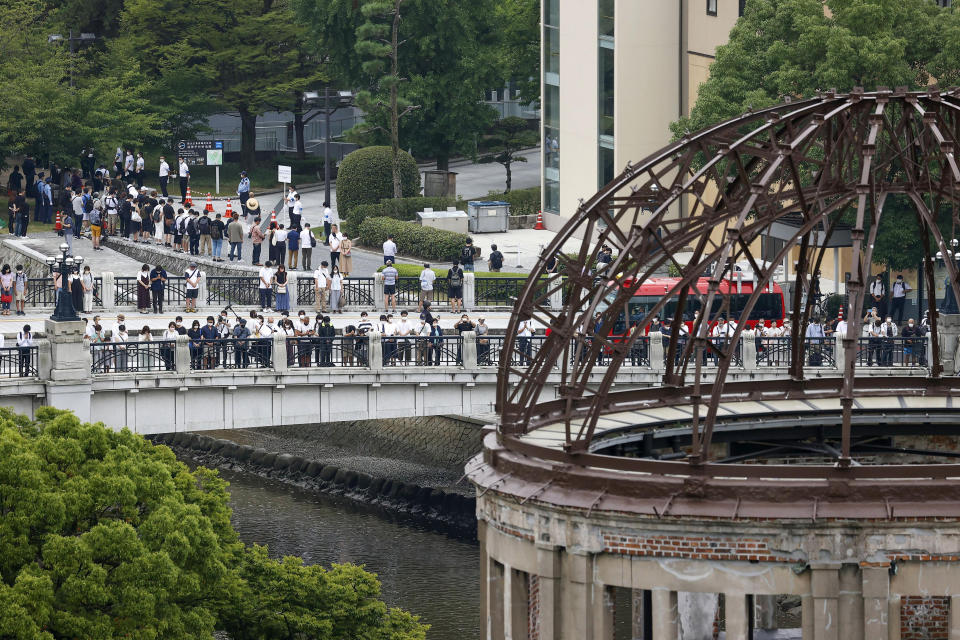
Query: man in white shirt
[[297, 216], [140, 166], [841, 328], [291, 200], [119, 338], [265, 286], [183, 171], [387, 331], [404, 344], [128, 165], [427, 276], [334, 238], [390, 276], [878, 294], [321, 286], [899, 292], [164, 176], [422, 332], [888, 331], [327, 220], [192, 275], [524, 333], [389, 250]]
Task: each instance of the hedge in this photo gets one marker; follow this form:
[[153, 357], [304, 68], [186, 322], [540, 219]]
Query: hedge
[[412, 239], [523, 202], [399, 208], [366, 177], [413, 271]]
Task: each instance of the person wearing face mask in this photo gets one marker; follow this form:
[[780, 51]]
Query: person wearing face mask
[[871, 331], [303, 331], [209, 334], [143, 289], [912, 343], [878, 293], [888, 331], [196, 345], [241, 351], [325, 336], [20, 285], [898, 293]]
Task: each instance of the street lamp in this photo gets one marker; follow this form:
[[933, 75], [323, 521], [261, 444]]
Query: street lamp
[[332, 101], [64, 264], [82, 38]]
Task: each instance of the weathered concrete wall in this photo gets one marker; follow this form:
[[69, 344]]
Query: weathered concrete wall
[[446, 442], [14, 252]]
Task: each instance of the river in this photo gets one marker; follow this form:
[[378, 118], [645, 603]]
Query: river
[[423, 570]]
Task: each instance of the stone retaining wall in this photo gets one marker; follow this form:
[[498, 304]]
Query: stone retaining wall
[[14, 253], [435, 504]]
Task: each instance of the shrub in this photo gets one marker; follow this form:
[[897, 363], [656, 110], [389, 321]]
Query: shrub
[[412, 239], [399, 208], [413, 271], [366, 177], [523, 202]]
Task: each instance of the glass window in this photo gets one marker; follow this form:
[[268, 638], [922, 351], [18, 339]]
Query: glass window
[[551, 50], [743, 5], [551, 12], [711, 7], [606, 91], [605, 8], [605, 173]]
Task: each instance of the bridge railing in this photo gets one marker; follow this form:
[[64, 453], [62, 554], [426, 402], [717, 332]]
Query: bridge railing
[[133, 357], [18, 362], [304, 352]]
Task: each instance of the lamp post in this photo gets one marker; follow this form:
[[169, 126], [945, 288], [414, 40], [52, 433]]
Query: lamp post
[[342, 99], [64, 264], [82, 38]]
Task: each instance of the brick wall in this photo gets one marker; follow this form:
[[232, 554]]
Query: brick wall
[[533, 607], [924, 618], [697, 547]]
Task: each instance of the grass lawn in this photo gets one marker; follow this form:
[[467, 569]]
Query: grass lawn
[[262, 179], [31, 228]]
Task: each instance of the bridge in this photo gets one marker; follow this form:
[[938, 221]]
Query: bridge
[[164, 386]]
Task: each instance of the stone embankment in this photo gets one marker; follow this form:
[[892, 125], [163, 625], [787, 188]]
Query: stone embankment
[[443, 506]]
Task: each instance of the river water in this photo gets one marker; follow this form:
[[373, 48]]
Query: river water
[[424, 570]]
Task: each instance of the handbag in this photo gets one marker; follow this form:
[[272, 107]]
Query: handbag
[[6, 297], [281, 288]]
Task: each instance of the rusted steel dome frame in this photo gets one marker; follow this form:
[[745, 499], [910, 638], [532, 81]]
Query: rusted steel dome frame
[[817, 157]]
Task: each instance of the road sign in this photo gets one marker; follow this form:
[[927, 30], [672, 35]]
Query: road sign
[[214, 157], [284, 174], [195, 151]]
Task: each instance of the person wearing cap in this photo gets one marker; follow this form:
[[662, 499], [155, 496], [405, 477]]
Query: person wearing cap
[[243, 192], [164, 174]]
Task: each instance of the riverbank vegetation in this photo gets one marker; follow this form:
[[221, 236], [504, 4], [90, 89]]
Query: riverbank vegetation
[[106, 535]]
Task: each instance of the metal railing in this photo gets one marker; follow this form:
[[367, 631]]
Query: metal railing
[[125, 291], [242, 290], [357, 292], [125, 357], [408, 291], [42, 293], [777, 351], [491, 353], [892, 352], [500, 292], [305, 352], [18, 362], [231, 353], [422, 351]]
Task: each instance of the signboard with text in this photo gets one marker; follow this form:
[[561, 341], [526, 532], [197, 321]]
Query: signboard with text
[[284, 174], [195, 151]]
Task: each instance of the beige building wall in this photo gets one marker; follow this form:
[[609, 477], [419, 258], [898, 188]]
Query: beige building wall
[[663, 50]]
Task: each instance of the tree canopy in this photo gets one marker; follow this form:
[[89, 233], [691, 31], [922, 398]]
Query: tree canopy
[[105, 535], [793, 48]]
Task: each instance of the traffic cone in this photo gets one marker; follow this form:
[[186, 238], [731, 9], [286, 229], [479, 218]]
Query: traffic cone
[[229, 213], [209, 207], [273, 217], [58, 225], [539, 226], [840, 313], [189, 200]]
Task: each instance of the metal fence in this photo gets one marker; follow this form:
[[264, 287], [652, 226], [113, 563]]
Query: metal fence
[[125, 291], [499, 292], [892, 352], [490, 350], [124, 357], [231, 353], [408, 291], [422, 352], [338, 351], [357, 292], [224, 290], [42, 293], [18, 362], [777, 351]]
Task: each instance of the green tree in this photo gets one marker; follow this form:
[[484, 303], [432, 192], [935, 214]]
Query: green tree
[[793, 48], [518, 51], [104, 535], [366, 177], [506, 138]]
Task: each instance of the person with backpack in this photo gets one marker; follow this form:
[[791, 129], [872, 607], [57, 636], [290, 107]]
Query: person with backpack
[[125, 214], [203, 230], [216, 234], [96, 225], [455, 286], [179, 230], [193, 231], [495, 261], [111, 205], [77, 204], [467, 254]]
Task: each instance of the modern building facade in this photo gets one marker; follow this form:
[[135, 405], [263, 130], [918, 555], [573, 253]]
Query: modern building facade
[[615, 74]]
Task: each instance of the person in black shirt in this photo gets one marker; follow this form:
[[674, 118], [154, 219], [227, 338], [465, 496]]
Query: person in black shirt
[[29, 169], [495, 261], [14, 183]]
